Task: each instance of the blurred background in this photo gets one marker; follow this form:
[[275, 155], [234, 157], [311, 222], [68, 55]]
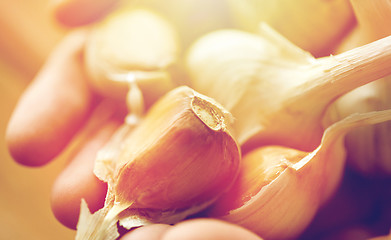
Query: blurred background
[[27, 35]]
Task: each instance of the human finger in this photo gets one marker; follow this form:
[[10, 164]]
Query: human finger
[[54, 106], [77, 180], [74, 13], [151, 232], [208, 229]]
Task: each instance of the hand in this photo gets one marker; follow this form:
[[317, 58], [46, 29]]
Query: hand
[[59, 112], [57, 106]]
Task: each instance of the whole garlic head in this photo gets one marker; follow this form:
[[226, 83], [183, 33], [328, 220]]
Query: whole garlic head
[[277, 92]]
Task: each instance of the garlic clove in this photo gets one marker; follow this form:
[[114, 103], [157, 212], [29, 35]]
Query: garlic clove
[[190, 127], [164, 169], [132, 45], [299, 20], [280, 189], [290, 88]]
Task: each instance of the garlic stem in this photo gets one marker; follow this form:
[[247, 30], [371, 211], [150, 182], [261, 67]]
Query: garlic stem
[[370, 61], [297, 120], [346, 71]]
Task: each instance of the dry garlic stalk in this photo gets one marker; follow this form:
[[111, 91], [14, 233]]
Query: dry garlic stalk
[[132, 45], [312, 25], [280, 189], [277, 92], [176, 162], [369, 148]]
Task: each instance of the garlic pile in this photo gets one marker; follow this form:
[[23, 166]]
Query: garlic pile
[[256, 94]]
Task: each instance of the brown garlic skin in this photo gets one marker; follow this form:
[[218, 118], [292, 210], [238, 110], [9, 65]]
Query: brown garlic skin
[[176, 162], [180, 163]]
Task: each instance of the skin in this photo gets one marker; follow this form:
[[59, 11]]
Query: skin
[[54, 108], [195, 229], [37, 119], [58, 112], [73, 13]]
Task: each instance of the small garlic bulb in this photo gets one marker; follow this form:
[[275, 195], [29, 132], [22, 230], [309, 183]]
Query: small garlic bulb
[[280, 189], [277, 92], [164, 169]]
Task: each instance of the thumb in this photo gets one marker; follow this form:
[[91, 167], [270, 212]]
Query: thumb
[[73, 13]]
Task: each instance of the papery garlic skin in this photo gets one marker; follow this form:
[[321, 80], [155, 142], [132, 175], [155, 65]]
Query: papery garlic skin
[[298, 20], [165, 169], [286, 204], [132, 45]]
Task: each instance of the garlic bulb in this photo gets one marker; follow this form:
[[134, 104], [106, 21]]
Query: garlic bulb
[[280, 189], [133, 45], [299, 21], [369, 148], [164, 169], [277, 92]]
